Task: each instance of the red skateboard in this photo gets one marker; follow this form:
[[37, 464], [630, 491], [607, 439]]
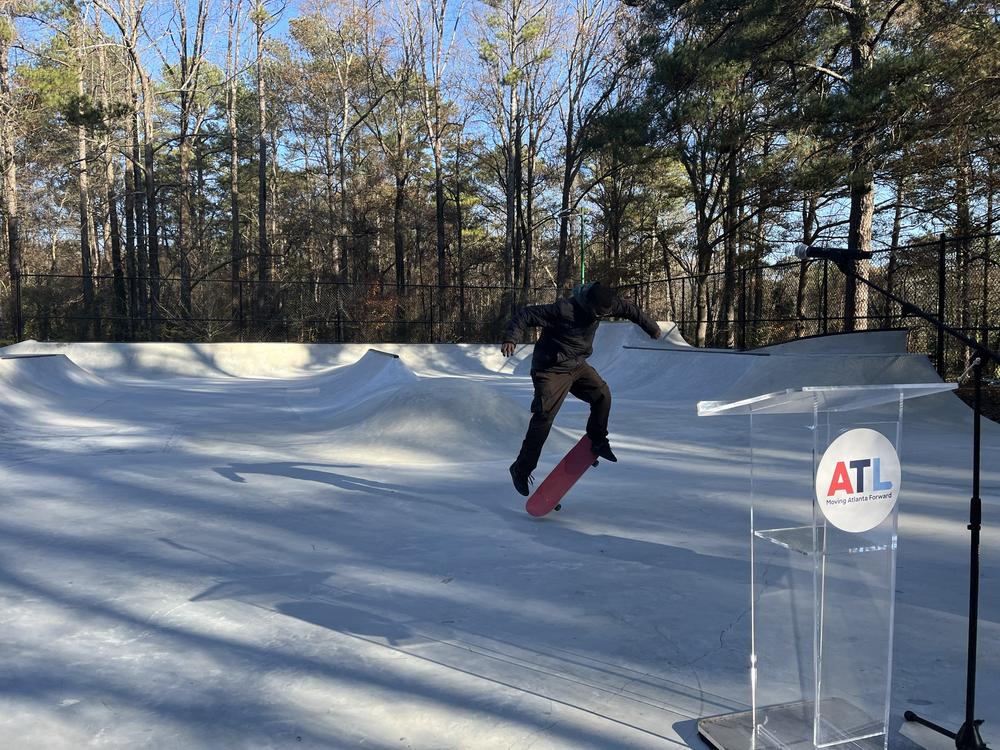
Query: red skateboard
[[550, 492]]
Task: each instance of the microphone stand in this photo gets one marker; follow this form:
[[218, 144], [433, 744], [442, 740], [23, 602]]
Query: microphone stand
[[968, 736]]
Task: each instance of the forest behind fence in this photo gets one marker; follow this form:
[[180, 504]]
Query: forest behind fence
[[413, 170], [956, 278]]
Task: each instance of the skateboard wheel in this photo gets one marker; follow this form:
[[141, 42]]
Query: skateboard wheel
[[558, 507], [595, 463]]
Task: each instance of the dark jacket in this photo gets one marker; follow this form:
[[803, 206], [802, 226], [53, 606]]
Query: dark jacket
[[568, 328]]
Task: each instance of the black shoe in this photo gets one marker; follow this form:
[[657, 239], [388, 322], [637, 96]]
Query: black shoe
[[521, 481], [603, 449]]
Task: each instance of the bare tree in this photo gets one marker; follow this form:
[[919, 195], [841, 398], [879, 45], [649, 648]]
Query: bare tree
[[8, 169], [260, 18], [396, 130], [128, 17], [109, 70], [88, 324], [541, 94], [191, 56], [435, 26], [234, 12], [594, 62]]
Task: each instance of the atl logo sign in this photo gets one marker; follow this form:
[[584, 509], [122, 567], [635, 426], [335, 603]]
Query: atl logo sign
[[841, 481], [857, 480]]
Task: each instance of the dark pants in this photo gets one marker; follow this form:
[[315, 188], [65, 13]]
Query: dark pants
[[550, 392]]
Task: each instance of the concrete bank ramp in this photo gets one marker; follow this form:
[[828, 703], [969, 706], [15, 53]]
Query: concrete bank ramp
[[47, 377], [375, 373], [380, 406], [442, 419], [265, 360], [861, 358]]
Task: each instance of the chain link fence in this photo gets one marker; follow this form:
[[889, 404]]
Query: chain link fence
[[956, 279]]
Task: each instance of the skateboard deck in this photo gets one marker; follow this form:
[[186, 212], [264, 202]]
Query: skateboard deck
[[550, 492]]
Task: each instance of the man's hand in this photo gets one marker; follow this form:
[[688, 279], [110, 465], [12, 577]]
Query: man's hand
[[507, 348], [657, 334]]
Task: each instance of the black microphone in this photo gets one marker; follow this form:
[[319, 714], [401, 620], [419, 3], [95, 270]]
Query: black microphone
[[836, 254]]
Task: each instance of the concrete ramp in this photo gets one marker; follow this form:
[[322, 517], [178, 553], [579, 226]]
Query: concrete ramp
[[439, 419], [380, 407], [266, 360], [373, 374], [49, 377], [856, 342]]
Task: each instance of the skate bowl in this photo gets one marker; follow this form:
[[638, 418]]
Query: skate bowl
[[322, 544]]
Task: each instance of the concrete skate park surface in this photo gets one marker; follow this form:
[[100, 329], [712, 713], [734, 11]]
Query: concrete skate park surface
[[271, 545]]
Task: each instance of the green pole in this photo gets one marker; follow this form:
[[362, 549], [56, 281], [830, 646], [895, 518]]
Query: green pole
[[583, 252]]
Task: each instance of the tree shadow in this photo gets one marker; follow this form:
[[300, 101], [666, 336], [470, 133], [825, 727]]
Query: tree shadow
[[349, 621], [301, 472]]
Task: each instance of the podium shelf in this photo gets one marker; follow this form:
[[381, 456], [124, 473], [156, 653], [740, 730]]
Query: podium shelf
[[800, 539], [823, 398], [797, 538]]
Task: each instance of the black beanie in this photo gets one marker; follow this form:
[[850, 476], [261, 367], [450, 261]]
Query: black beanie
[[601, 297]]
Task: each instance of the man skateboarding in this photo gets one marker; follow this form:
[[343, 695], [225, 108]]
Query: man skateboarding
[[559, 366]]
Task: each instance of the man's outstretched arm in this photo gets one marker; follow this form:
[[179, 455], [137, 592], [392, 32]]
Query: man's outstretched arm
[[625, 309]]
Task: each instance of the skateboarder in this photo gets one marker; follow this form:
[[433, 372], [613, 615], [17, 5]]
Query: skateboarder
[[559, 366]]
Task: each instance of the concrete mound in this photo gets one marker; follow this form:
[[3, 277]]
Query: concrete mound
[[48, 377], [375, 373], [444, 418]]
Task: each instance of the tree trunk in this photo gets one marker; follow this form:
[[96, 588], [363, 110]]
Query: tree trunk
[[441, 241], [130, 248], [701, 293], [458, 238], [141, 270], [861, 178], [88, 326], [263, 247], [809, 210], [527, 210], [8, 182], [120, 329], [703, 267], [564, 256], [152, 226], [509, 186], [963, 229], [731, 218], [185, 216], [661, 237], [398, 233], [346, 263], [235, 239], [987, 260], [892, 308]]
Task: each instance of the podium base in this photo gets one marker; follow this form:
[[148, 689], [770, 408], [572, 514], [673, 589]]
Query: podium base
[[790, 727]]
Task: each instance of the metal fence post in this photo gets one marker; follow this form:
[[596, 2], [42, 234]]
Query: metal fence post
[[743, 308], [941, 305], [826, 296], [241, 324], [683, 307], [18, 311]]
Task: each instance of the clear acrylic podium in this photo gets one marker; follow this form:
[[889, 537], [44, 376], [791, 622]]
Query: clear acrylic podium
[[821, 598]]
